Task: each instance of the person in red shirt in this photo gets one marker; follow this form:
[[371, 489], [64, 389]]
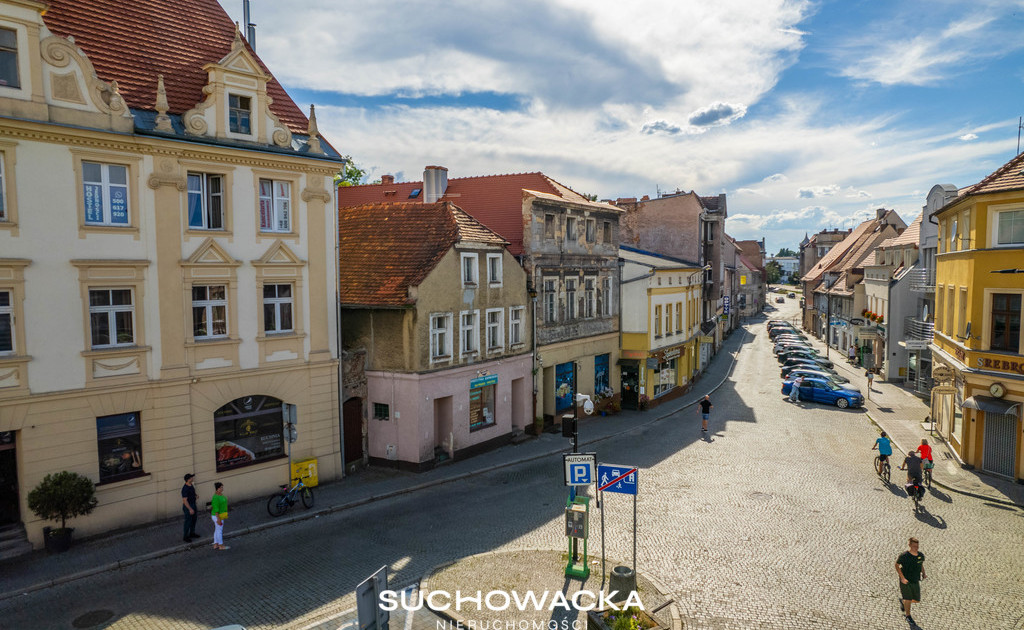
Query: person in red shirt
[[925, 452]]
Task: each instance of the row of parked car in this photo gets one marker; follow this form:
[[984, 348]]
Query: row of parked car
[[819, 380]]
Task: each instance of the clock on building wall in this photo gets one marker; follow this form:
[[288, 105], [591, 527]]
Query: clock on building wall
[[997, 390]]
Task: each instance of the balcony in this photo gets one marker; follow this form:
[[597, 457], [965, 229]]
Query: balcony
[[917, 329], [922, 280]]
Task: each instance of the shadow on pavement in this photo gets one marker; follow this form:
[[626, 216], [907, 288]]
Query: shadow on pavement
[[928, 518], [940, 495]]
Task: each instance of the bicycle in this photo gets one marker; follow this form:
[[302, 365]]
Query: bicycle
[[928, 473], [280, 502], [883, 469]]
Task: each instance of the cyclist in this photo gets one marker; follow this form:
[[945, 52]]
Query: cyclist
[[926, 454], [884, 448], [912, 464]]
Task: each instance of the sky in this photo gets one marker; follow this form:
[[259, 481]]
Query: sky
[[808, 115]]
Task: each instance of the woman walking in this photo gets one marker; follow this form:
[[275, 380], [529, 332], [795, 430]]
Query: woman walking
[[219, 512]]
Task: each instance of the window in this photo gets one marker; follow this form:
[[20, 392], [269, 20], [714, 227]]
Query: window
[[111, 317], [1006, 322], [550, 302], [105, 193], [657, 321], [277, 308], [469, 269], [469, 334], [950, 302], [481, 404], [570, 298], [668, 320], [679, 315], [664, 377], [381, 411], [515, 325], [589, 299], [601, 384], [606, 290], [495, 336], [248, 430], [9, 58], [1010, 228], [607, 232], [6, 323], [591, 230], [275, 206], [549, 226], [494, 269], [205, 202], [570, 230], [119, 441], [209, 312], [238, 113], [441, 336], [962, 314]]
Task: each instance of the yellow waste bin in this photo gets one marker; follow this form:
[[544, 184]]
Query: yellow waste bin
[[305, 469]]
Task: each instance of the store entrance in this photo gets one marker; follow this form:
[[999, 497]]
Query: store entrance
[[630, 375], [9, 511]]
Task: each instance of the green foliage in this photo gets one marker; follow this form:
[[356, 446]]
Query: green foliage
[[774, 271], [627, 619], [350, 174], [785, 251], [63, 495]]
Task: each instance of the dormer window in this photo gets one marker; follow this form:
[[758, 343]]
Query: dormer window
[[239, 113], [9, 58]]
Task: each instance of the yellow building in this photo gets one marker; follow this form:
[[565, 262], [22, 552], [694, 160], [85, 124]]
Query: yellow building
[[661, 299], [978, 347], [165, 263]]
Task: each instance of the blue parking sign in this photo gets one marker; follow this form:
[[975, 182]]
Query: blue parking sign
[[579, 468]]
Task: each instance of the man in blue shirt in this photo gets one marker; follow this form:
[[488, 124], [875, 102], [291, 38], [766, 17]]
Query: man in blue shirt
[[884, 447]]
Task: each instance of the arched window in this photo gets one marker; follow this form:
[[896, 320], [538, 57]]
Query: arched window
[[248, 430]]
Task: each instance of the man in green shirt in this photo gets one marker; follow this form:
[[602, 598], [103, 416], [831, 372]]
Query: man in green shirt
[[910, 569]]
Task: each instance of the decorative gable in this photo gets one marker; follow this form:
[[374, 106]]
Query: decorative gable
[[237, 106], [279, 255], [212, 254]]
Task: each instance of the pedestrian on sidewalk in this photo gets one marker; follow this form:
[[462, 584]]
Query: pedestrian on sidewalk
[[868, 374], [794, 393], [705, 412], [219, 512], [853, 353], [910, 569], [189, 509]]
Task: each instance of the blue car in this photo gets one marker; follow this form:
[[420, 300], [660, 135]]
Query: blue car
[[822, 391]]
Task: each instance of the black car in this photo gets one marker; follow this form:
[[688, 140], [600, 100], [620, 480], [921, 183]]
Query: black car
[[803, 362], [803, 354], [775, 332]]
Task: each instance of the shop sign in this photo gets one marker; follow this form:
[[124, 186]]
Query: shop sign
[[671, 354], [1000, 364], [960, 354], [484, 381], [633, 354], [942, 372], [705, 339], [915, 344]]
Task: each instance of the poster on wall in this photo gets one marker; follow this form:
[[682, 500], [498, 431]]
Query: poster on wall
[[248, 430], [119, 438], [563, 387], [601, 375]]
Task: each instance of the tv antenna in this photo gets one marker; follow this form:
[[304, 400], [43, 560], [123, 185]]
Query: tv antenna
[[1020, 125]]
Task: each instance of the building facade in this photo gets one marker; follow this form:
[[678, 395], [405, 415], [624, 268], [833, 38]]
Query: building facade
[[977, 351], [660, 326], [164, 267]]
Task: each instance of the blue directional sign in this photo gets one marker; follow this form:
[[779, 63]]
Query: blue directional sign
[[579, 468], [621, 479]]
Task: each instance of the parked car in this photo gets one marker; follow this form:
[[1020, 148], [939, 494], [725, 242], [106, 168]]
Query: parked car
[[804, 354], [790, 337], [780, 300], [782, 346], [803, 363], [782, 330], [822, 391], [791, 294], [828, 376]]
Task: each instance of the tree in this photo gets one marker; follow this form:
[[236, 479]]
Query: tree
[[774, 271], [63, 495], [785, 252], [350, 174]]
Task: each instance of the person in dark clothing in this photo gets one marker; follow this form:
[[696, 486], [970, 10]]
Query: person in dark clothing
[[912, 464], [910, 569], [189, 509], [705, 412]]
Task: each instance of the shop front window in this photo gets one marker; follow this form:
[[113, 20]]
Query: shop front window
[[665, 377], [119, 438], [481, 402], [601, 374], [563, 387], [248, 430]]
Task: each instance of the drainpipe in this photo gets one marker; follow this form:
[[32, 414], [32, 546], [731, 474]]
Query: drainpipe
[[337, 314]]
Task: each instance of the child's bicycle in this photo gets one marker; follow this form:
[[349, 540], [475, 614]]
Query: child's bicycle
[[279, 502]]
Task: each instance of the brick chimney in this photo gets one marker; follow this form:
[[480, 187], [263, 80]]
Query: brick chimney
[[387, 180], [435, 183]]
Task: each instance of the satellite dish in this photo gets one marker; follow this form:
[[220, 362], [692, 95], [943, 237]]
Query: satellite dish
[[588, 407]]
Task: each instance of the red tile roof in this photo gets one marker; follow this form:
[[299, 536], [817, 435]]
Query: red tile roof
[[388, 247], [132, 41], [1009, 176], [494, 200]]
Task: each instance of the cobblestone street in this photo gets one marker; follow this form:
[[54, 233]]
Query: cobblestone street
[[775, 520]]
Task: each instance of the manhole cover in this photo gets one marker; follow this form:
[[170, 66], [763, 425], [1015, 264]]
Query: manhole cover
[[92, 618]]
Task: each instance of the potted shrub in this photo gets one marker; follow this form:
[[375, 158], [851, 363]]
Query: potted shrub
[[631, 618], [58, 497]]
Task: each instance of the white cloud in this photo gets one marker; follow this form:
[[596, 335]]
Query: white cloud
[[967, 137], [813, 192]]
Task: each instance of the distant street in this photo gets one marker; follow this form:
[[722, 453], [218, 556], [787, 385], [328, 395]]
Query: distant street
[[777, 520]]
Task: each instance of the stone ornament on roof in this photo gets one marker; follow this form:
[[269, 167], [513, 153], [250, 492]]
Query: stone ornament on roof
[[163, 121]]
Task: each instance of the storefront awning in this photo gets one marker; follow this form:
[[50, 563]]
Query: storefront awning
[[988, 404]]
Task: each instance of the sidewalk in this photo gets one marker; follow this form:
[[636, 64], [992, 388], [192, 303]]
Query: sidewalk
[[39, 570], [900, 413]]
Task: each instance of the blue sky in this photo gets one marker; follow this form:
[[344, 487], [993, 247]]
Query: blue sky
[[809, 115]]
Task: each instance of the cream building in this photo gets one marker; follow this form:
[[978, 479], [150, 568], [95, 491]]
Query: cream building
[[166, 269]]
